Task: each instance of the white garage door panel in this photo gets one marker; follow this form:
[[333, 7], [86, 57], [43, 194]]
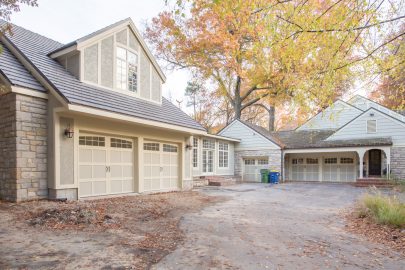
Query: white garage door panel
[[161, 166], [252, 167], [105, 165]]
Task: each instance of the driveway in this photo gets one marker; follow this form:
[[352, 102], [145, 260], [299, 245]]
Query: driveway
[[288, 226]]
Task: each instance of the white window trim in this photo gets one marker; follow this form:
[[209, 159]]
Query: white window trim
[[197, 156], [223, 158], [369, 132], [115, 88]]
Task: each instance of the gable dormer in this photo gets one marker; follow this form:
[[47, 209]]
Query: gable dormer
[[116, 58]]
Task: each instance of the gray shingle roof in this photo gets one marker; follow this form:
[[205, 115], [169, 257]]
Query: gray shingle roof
[[16, 73], [293, 139], [317, 139], [36, 49]]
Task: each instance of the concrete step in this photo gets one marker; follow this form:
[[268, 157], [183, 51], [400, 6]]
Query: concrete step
[[222, 182]]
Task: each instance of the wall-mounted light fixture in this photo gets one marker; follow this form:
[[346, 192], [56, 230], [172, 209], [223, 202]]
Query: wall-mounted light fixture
[[69, 132], [189, 146], [372, 114]]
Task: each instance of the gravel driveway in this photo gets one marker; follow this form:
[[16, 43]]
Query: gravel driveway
[[289, 226]]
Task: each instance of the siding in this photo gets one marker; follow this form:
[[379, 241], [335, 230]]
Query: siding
[[332, 117], [250, 139], [386, 127], [364, 104]]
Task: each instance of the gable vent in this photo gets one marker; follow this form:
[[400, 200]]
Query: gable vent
[[371, 126]]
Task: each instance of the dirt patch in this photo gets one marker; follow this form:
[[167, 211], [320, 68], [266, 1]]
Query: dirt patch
[[377, 233], [138, 230]]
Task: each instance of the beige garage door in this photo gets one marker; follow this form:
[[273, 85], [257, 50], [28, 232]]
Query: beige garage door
[[105, 165], [252, 167], [161, 166]]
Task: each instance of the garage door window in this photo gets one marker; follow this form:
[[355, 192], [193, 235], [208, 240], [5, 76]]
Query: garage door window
[[118, 143], [346, 160], [312, 161], [263, 161], [151, 146], [296, 161], [169, 148], [330, 160], [92, 141], [249, 162]]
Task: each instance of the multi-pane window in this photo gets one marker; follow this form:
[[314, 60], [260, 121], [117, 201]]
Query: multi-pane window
[[119, 143], [346, 160], [263, 161], [312, 161], [195, 152], [208, 144], [330, 160], [249, 161], [223, 155], [127, 70], [92, 140], [169, 148], [151, 146], [297, 161]]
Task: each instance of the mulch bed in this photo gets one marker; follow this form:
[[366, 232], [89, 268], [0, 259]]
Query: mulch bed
[[374, 232]]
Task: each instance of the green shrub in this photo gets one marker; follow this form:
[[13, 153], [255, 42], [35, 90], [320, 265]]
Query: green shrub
[[383, 209]]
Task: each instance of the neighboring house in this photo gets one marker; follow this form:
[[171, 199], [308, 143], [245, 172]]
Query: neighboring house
[[346, 141], [88, 118]]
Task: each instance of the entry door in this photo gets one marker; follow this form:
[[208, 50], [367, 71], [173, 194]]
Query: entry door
[[105, 165], [161, 166], [208, 161], [374, 162]]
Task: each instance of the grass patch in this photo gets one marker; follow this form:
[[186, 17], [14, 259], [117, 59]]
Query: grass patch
[[382, 209]]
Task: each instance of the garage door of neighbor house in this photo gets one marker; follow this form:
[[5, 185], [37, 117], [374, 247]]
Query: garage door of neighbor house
[[105, 165], [161, 166], [335, 168], [252, 167]]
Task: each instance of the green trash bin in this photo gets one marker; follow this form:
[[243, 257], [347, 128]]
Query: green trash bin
[[264, 175]]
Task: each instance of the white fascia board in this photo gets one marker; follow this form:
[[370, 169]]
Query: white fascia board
[[65, 51], [331, 150], [28, 92], [222, 138], [117, 116]]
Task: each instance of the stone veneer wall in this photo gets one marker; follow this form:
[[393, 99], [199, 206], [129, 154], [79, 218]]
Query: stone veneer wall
[[24, 166], [398, 162], [8, 158], [273, 155]]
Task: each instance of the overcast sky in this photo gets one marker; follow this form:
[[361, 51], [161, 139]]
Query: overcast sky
[[68, 20]]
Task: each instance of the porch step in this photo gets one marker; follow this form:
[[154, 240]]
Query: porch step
[[198, 182], [221, 180], [377, 182]]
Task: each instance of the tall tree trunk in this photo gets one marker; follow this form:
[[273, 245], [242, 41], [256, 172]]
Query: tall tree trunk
[[237, 104], [272, 117]]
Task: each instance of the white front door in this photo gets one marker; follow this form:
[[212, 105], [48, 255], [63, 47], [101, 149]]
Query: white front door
[[105, 165], [161, 166], [208, 157], [208, 161]]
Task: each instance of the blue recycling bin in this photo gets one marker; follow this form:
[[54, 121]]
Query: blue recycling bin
[[273, 177]]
